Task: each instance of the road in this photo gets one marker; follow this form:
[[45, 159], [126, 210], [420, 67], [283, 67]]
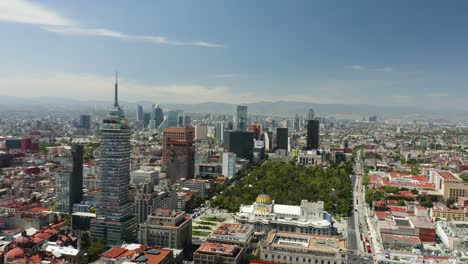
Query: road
[[357, 226]]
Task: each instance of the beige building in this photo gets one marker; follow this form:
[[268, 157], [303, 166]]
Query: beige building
[[216, 253], [448, 184], [440, 211], [293, 248], [166, 228]]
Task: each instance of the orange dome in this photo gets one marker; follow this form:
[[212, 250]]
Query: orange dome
[[263, 199], [262, 210]]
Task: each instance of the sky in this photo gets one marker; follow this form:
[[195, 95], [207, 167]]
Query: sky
[[393, 53]]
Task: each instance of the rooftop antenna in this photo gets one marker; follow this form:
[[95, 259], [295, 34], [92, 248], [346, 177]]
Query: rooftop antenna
[[116, 101]]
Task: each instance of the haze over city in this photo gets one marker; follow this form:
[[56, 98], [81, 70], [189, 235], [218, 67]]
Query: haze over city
[[395, 53], [233, 132]]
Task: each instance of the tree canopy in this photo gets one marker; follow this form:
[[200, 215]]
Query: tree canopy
[[287, 183]]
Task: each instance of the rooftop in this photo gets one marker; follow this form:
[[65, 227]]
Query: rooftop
[[294, 241], [217, 248]]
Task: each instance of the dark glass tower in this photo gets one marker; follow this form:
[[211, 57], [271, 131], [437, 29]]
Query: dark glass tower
[[69, 181], [158, 115], [312, 134], [240, 143], [115, 221], [282, 138], [242, 117]]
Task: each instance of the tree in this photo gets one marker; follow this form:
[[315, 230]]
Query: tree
[[450, 202], [67, 219], [85, 240], [401, 203], [287, 183], [95, 249]]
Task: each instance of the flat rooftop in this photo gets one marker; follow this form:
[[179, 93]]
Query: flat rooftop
[[294, 241], [218, 248], [229, 229]]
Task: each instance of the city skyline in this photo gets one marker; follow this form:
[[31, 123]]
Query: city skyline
[[398, 54]]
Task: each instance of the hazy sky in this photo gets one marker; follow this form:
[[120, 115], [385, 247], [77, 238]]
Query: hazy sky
[[400, 53]]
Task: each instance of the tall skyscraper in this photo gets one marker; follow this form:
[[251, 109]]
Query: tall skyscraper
[[201, 132], [313, 127], [85, 121], [310, 114], [242, 117], [296, 123], [229, 164], [282, 138], [179, 153], [256, 129], [219, 131], [239, 142], [158, 115], [146, 119], [139, 113], [115, 221], [172, 117], [69, 181]]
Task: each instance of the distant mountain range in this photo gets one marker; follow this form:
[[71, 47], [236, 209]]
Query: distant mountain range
[[279, 108]]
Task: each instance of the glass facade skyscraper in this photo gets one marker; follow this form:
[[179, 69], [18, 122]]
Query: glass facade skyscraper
[[115, 221], [242, 117]]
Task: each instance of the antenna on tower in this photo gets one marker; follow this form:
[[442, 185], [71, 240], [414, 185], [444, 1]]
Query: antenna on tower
[[116, 101]]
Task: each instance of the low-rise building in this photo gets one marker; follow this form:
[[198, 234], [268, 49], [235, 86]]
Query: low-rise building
[[284, 247], [142, 176], [454, 235], [441, 211], [166, 228], [230, 233], [216, 253], [136, 253]]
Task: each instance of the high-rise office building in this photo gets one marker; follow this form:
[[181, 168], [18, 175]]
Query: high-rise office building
[[115, 221], [229, 164], [256, 129], [241, 117], [158, 115], [179, 133], [146, 119], [179, 153], [313, 127], [179, 157], [310, 114], [239, 142], [296, 123], [219, 131], [139, 113], [172, 117], [282, 138], [145, 200], [85, 121], [69, 181], [201, 132]]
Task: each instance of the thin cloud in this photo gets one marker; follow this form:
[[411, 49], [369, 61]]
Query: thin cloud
[[25, 12], [80, 86], [103, 32], [437, 95], [372, 69], [224, 76]]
